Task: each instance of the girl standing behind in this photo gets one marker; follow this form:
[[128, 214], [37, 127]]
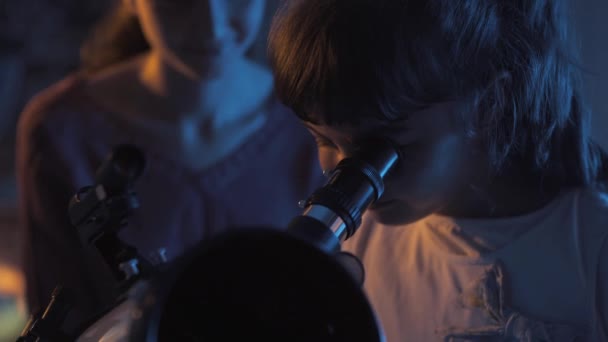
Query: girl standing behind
[[174, 78]]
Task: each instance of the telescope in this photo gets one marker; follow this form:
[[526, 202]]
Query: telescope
[[248, 283]]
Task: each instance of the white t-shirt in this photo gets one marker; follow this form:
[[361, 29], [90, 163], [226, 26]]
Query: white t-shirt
[[537, 277]]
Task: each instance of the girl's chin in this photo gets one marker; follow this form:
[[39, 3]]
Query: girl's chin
[[396, 213]]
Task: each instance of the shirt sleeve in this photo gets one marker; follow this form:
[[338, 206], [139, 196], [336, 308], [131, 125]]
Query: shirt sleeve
[[53, 254]]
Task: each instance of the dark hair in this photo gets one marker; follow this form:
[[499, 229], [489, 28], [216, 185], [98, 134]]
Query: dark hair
[[352, 60], [118, 36]]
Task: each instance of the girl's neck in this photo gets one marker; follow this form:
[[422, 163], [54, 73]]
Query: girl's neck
[[218, 99], [200, 120], [147, 89]]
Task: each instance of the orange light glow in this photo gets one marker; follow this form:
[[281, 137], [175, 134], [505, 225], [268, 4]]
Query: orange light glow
[[12, 284]]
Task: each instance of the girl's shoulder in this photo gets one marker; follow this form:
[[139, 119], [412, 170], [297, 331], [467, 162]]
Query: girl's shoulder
[[589, 229], [592, 205], [59, 105], [60, 118], [592, 217]]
